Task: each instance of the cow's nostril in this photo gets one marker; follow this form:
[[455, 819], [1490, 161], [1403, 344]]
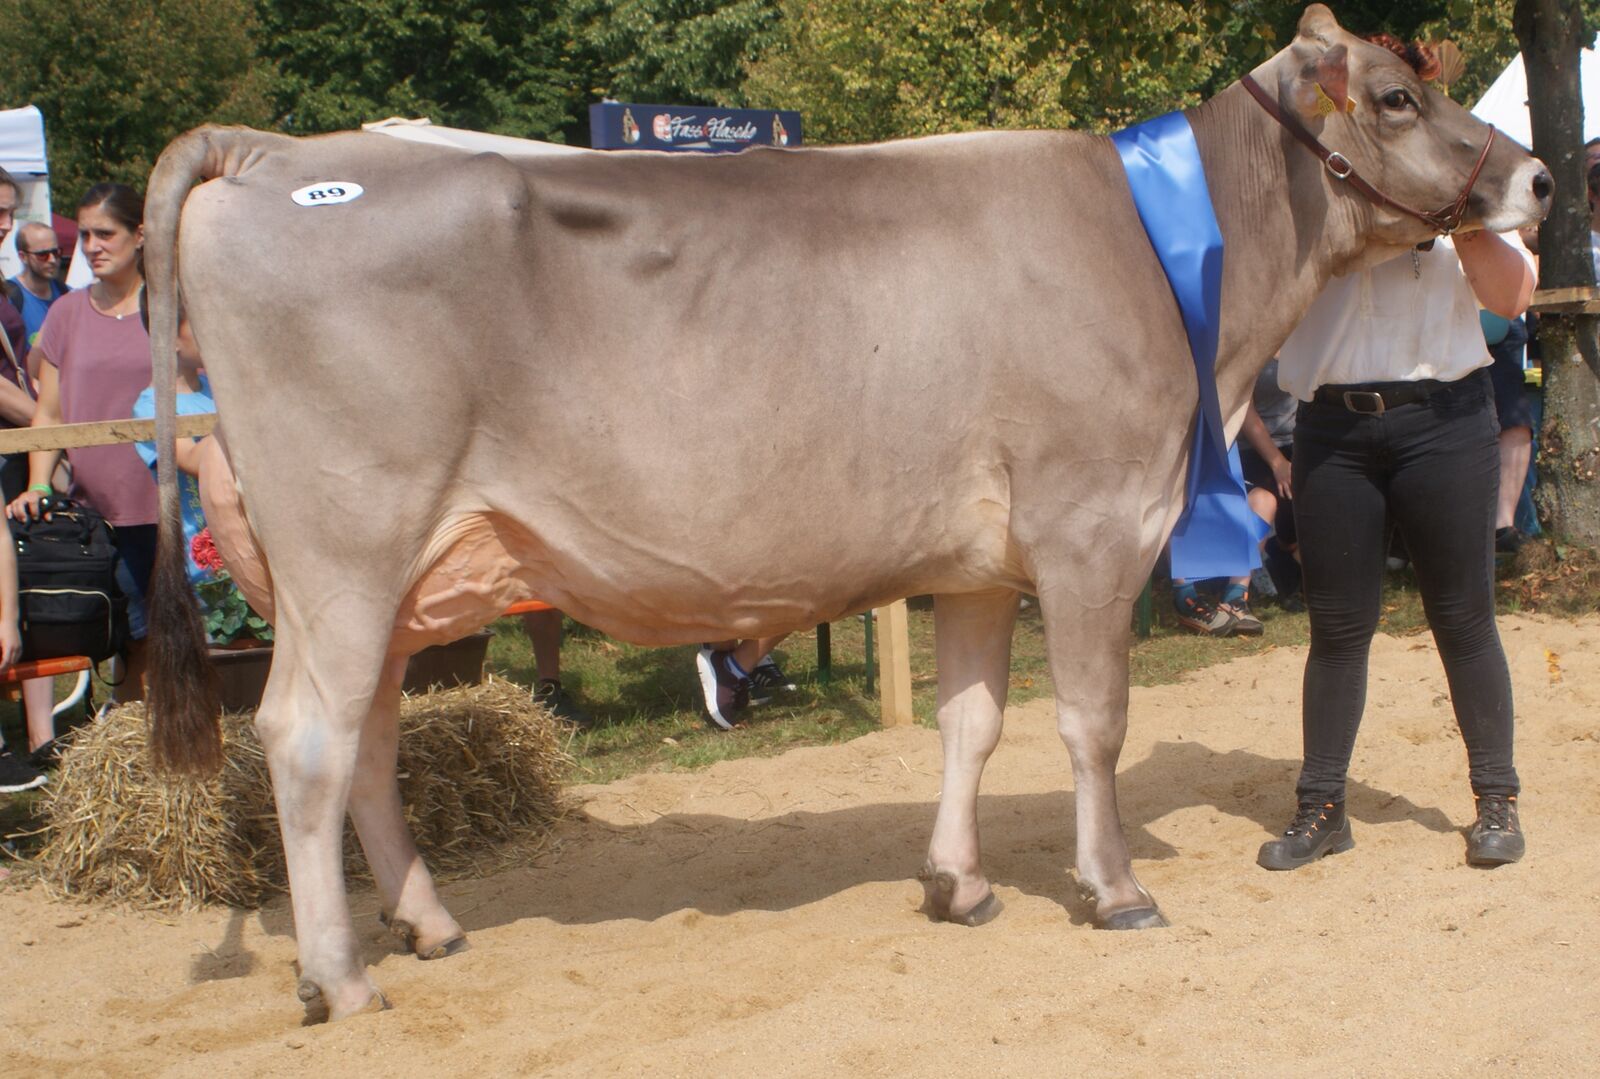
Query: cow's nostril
[[1543, 186]]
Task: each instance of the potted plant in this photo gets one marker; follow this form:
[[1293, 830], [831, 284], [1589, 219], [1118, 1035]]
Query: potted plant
[[241, 640]]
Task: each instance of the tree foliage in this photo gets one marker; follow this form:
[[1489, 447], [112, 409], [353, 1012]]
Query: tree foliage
[[116, 80], [501, 66]]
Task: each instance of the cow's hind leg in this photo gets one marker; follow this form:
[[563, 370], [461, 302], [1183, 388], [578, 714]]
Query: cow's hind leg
[[972, 637], [411, 906], [310, 724], [1088, 648]]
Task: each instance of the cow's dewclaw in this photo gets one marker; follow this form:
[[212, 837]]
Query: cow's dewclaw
[[318, 1010], [939, 889]]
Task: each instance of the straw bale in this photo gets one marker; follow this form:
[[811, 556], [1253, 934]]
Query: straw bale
[[479, 770]]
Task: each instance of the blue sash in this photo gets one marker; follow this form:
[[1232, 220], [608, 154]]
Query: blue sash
[[1217, 534]]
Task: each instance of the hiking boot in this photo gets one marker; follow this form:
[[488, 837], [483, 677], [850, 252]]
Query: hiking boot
[[1245, 623], [726, 691], [1207, 621], [17, 775], [550, 694], [1318, 828], [1508, 540], [768, 678], [1496, 837]]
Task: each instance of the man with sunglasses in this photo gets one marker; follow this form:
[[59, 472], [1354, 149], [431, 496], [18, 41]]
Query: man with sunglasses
[[36, 288]]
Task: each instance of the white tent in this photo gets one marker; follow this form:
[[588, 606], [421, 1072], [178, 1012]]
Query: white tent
[[22, 154], [1505, 103]]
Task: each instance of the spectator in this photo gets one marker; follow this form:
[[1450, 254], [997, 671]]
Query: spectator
[[544, 633], [1266, 445], [1506, 340], [194, 398], [735, 674], [1398, 422], [35, 288], [66, 231], [16, 774], [96, 360], [16, 410]]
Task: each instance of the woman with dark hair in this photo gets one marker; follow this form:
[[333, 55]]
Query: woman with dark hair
[[96, 360]]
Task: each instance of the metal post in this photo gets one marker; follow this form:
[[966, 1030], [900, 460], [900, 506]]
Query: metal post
[[1145, 614], [824, 654]]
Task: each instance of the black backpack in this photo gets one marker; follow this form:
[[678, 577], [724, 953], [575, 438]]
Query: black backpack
[[70, 603]]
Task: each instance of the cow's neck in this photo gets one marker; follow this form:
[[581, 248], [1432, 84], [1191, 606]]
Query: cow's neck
[[1284, 234]]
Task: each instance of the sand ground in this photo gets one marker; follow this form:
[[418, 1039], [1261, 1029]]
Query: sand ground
[[761, 918]]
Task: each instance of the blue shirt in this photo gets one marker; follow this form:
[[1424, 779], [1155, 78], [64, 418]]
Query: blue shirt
[[34, 309], [194, 518]]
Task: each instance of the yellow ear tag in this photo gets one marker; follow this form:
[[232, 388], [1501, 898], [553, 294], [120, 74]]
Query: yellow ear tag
[[1349, 104], [1325, 105]]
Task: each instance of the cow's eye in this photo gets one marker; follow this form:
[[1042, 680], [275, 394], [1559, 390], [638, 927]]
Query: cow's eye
[[1398, 99]]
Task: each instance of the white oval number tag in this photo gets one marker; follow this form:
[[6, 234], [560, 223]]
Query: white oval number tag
[[328, 193]]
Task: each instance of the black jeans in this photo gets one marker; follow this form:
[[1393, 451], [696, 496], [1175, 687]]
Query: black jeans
[[1433, 468]]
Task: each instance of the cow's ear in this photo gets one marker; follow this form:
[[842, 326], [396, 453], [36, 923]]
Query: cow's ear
[[1324, 85], [1318, 24]]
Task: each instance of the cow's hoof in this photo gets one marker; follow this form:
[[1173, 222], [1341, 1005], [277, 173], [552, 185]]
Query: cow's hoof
[[453, 946], [1138, 918], [939, 889], [406, 934], [319, 1011]]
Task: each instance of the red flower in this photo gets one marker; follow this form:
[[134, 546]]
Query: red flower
[[204, 551]]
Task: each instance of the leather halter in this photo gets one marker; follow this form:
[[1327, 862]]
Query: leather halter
[[1446, 219]]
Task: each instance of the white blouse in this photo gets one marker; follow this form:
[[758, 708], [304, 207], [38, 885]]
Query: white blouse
[[1401, 321]]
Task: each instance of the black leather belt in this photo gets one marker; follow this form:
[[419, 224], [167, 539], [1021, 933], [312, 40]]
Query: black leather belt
[[1376, 398]]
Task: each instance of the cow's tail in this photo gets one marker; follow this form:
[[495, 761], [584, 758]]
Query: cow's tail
[[183, 702]]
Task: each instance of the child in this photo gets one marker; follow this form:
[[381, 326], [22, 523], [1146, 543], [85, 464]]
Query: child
[[194, 398]]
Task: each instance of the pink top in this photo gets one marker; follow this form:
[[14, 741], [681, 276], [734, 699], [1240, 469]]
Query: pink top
[[103, 363]]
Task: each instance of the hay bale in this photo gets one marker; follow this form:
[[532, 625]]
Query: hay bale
[[479, 767]]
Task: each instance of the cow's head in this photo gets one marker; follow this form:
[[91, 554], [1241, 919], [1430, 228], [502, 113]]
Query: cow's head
[[1407, 139]]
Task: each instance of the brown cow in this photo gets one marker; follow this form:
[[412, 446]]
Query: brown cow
[[981, 386]]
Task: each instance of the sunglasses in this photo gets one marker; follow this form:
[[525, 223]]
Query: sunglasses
[[47, 253]]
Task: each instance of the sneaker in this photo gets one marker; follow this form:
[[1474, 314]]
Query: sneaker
[[726, 692], [1318, 828], [768, 678], [1496, 836], [1209, 621], [17, 775], [1261, 583], [46, 757], [550, 694], [1245, 623]]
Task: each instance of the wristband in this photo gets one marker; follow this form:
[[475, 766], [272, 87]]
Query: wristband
[[42, 488]]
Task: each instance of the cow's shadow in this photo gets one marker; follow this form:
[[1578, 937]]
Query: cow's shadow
[[602, 871], [800, 857]]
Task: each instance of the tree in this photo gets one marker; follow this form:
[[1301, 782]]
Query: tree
[[501, 66], [1551, 33], [117, 80]]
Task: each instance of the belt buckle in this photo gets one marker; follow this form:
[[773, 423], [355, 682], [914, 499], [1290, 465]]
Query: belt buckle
[[1352, 396]]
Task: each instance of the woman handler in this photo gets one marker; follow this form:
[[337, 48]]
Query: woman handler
[[1397, 422]]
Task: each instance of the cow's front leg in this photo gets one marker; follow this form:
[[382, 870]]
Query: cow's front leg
[[411, 906], [310, 726], [972, 638], [1088, 648]]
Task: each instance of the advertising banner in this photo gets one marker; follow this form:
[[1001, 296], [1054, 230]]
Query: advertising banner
[[617, 125]]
